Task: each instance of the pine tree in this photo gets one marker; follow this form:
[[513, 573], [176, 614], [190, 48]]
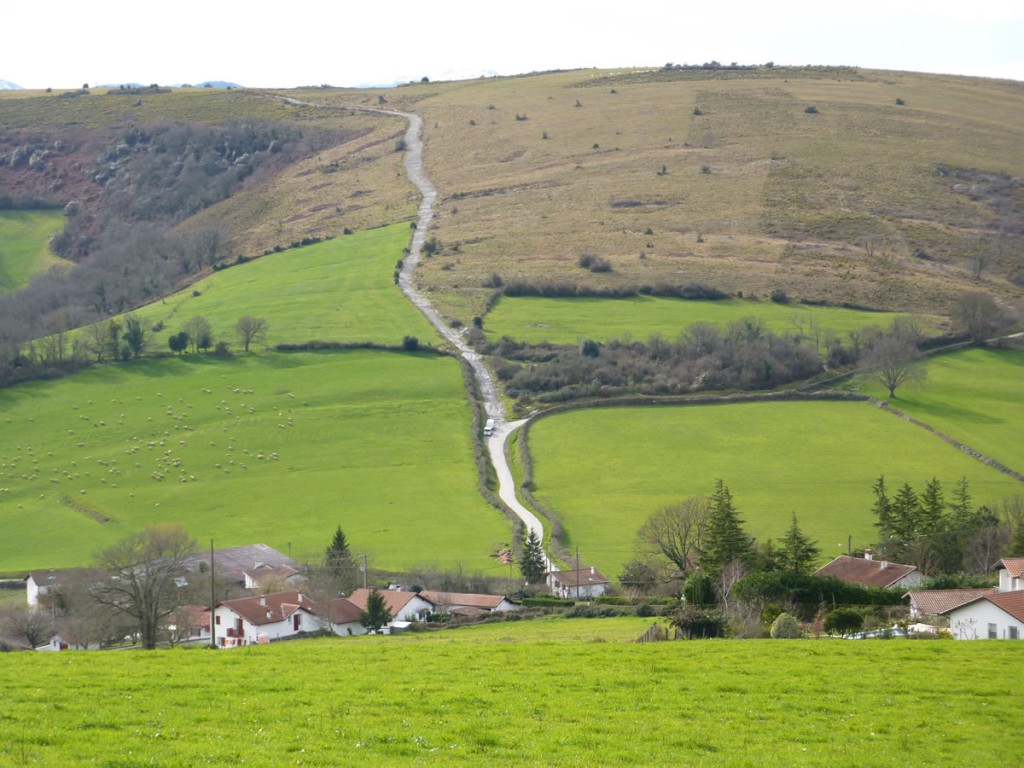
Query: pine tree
[[533, 563], [906, 511], [377, 613], [882, 508], [337, 556], [932, 507], [724, 537], [797, 553]]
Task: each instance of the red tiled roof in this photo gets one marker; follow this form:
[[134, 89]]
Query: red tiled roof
[[341, 610], [394, 599], [937, 601], [1014, 566], [870, 573], [583, 577], [268, 609], [470, 600], [1011, 602]]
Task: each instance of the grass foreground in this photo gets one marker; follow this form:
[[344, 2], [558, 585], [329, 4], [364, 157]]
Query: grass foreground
[[582, 695]]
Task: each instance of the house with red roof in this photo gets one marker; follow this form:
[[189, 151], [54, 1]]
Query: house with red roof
[[1011, 574], [260, 619], [404, 606], [580, 584], [468, 604], [998, 616], [934, 603], [341, 616], [869, 572]]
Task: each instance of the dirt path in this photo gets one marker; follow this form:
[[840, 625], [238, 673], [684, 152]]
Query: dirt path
[[485, 381]]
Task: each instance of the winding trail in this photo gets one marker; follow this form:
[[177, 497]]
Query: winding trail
[[496, 443]]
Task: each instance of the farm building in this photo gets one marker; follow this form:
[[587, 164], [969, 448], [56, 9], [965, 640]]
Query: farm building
[[40, 584], [869, 572], [468, 604], [1011, 574], [341, 615], [584, 583]]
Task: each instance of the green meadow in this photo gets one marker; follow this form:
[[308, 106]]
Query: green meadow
[[581, 696], [604, 471], [570, 320], [336, 290], [975, 396], [23, 245], [277, 448]]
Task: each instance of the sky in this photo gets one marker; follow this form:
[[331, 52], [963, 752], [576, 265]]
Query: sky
[[65, 43]]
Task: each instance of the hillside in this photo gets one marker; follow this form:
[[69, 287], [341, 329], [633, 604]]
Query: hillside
[[889, 194]]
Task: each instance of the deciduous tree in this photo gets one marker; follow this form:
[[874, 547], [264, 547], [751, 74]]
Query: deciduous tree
[[676, 532], [146, 573], [251, 330]]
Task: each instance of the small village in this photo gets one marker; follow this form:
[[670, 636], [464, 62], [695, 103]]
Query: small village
[[278, 602]]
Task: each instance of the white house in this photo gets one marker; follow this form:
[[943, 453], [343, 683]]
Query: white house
[[404, 606], [869, 572], [1011, 574], [999, 616], [252, 620], [929, 603], [585, 583], [467, 603], [341, 615], [40, 584]]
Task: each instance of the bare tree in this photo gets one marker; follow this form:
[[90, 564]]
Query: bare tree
[[676, 532], [29, 623], [200, 334], [979, 316], [146, 573], [251, 330], [894, 361]]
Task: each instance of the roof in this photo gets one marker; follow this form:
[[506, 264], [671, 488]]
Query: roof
[[270, 608], [937, 601], [340, 610], [263, 573], [583, 577], [1013, 565], [42, 578], [467, 599], [235, 561], [1010, 602], [869, 573], [394, 599]]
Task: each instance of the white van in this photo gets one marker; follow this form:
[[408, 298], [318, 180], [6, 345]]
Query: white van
[[489, 428]]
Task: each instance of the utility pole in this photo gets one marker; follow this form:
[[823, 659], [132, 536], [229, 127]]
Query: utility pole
[[364, 570], [213, 599], [577, 573]]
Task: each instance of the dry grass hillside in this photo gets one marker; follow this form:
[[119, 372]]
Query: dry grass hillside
[[897, 191]]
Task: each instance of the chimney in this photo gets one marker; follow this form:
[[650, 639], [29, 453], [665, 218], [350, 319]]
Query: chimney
[[869, 555], [593, 572], [263, 600], [270, 615], [300, 598], [885, 562]]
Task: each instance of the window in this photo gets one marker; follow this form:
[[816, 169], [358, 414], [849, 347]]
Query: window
[[993, 632], [1012, 633], [218, 620]]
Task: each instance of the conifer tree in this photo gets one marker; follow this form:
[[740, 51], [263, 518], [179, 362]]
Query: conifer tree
[[533, 564], [797, 553], [377, 613], [725, 540]]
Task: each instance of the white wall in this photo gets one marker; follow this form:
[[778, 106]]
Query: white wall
[[970, 622]]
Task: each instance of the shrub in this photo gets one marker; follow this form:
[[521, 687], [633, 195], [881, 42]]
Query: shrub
[[779, 296], [843, 620], [900, 102], [811, 110], [590, 348], [222, 349], [697, 112], [410, 344], [705, 168], [785, 627]]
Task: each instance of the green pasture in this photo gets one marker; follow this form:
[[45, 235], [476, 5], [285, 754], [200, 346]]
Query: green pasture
[[278, 449], [23, 245], [450, 698], [336, 290], [570, 320], [604, 471], [975, 396]]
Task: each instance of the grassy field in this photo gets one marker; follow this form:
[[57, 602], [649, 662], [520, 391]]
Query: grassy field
[[578, 696], [23, 245], [337, 290], [605, 471], [975, 396], [569, 321], [277, 448]]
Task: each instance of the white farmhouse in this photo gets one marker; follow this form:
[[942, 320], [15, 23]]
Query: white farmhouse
[[252, 620], [999, 616], [581, 584], [404, 606]]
